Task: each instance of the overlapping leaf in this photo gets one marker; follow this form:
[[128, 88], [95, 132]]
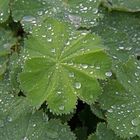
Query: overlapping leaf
[[34, 127], [63, 64], [11, 106], [120, 32], [4, 10], [123, 100], [17, 120], [79, 13], [6, 42], [105, 133], [123, 5]]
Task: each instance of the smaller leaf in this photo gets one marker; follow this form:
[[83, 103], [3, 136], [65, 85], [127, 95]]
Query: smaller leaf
[[123, 5], [103, 133], [4, 10]]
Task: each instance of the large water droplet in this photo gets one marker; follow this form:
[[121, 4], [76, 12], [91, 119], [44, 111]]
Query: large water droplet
[[25, 138], [29, 19], [136, 122], [77, 85], [108, 74]]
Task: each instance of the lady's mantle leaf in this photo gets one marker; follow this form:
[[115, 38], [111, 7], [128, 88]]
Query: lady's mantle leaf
[[6, 42], [103, 133], [119, 32], [82, 13], [79, 12], [4, 10], [123, 100], [62, 65], [17, 122], [123, 5], [34, 127]]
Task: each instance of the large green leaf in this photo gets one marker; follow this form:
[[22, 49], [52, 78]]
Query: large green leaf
[[4, 10], [79, 12], [61, 65], [120, 32], [123, 100], [123, 5], [17, 120], [34, 127]]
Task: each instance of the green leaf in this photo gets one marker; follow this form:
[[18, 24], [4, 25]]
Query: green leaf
[[81, 133], [96, 109], [61, 65], [17, 118], [82, 13], [4, 10], [14, 68], [103, 133], [120, 33], [123, 5], [121, 99], [33, 127], [79, 13], [11, 107], [7, 40]]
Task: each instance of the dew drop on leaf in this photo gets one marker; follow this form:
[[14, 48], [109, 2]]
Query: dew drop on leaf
[[84, 66], [61, 107], [28, 19], [135, 122], [71, 75], [77, 85], [9, 119], [108, 74], [25, 138]]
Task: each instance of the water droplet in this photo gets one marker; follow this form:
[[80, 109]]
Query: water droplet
[[71, 75], [28, 19], [49, 39], [61, 107], [25, 138], [108, 74], [9, 119], [110, 110], [75, 19], [53, 50], [59, 92], [40, 13], [34, 125], [136, 122], [77, 85], [68, 43], [97, 68], [1, 14], [84, 66], [131, 133], [121, 48]]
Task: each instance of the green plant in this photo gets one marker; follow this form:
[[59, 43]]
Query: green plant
[[69, 69]]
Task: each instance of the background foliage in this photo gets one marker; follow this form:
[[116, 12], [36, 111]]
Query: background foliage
[[69, 69]]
